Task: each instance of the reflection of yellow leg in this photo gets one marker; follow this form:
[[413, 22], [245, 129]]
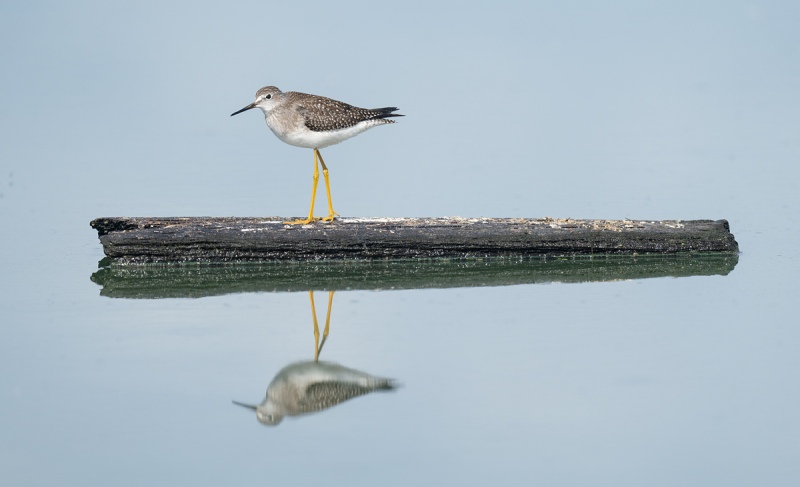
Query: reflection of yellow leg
[[327, 320], [317, 345], [331, 214], [316, 325], [313, 192]]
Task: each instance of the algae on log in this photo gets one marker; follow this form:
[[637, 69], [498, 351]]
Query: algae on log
[[215, 279]]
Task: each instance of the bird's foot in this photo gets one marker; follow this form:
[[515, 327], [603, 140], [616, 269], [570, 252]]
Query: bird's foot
[[304, 221], [310, 220], [330, 217]]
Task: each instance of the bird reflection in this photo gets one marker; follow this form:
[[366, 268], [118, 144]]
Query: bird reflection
[[311, 386]]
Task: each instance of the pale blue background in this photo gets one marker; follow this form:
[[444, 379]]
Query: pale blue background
[[652, 110]]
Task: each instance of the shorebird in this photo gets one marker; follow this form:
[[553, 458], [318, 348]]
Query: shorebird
[[315, 122], [311, 386]]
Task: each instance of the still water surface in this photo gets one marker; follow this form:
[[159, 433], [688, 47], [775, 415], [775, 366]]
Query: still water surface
[[658, 370]]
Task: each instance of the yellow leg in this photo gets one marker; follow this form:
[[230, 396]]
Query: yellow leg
[[317, 345], [331, 214], [327, 319], [316, 325], [310, 218]]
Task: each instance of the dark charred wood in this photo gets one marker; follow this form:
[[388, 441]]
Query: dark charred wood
[[217, 240]]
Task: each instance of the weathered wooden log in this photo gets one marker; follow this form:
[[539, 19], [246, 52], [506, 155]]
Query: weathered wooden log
[[205, 239], [199, 280]]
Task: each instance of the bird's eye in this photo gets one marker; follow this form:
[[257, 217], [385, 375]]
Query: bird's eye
[[267, 97]]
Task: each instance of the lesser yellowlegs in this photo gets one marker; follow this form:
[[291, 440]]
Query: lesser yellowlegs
[[315, 122], [311, 386]]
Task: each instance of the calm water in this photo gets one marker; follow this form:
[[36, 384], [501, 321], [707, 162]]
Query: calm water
[[620, 373], [680, 380]]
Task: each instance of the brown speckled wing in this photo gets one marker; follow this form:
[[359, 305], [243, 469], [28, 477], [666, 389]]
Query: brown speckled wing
[[323, 395], [321, 114]]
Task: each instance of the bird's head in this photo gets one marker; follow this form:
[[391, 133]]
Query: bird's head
[[266, 99], [268, 413]]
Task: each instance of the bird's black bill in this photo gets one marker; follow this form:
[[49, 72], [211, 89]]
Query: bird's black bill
[[248, 107], [248, 406]]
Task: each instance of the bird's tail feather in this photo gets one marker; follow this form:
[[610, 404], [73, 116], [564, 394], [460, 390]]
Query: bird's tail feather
[[386, 384], [386, 112]]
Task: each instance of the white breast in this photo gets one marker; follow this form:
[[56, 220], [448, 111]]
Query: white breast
[[300, 135]]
